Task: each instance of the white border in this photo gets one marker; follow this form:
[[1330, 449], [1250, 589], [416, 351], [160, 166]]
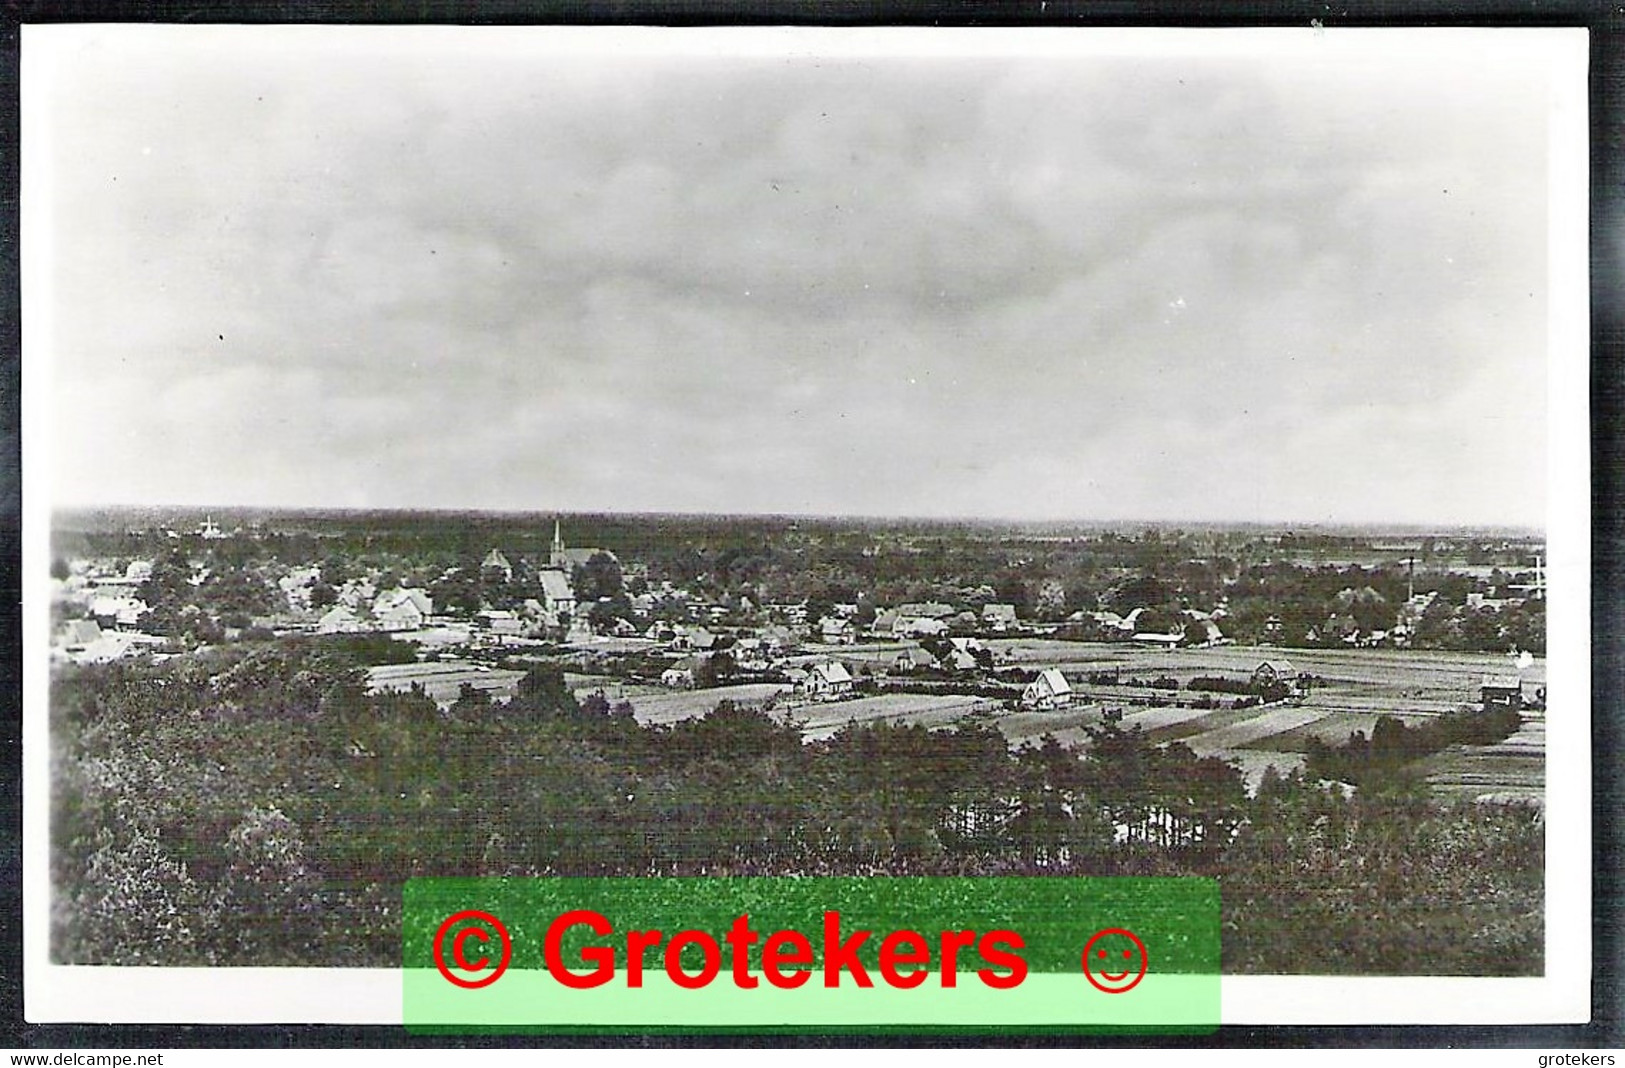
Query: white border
[[367, 996]]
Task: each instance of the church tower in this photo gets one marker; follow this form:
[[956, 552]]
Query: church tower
[[557, 558]]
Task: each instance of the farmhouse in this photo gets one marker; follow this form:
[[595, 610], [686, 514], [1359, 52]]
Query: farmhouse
[[340, 620], [357, 594], [835, 631], [1275, 671], [498, 621], [828, 681], [914, 660], [79, 634], [122, 612], [402, 609], [1501, 691], [999, 617], [681, 674], [779, 639], [1049, 690], [693, 638], [919, 627]]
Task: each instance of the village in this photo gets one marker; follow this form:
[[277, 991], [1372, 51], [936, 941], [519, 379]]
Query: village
[[669, 651]]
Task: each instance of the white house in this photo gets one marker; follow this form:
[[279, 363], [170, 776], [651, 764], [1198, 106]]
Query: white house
[[1271, 671], [402, 609], [915, 660], [681, 674], [340, 620], [835, 631], [1049, 690], [693, 638], [919, 627], [828, 681]]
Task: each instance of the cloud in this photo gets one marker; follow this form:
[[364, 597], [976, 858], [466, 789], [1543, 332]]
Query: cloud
[[470, 276]]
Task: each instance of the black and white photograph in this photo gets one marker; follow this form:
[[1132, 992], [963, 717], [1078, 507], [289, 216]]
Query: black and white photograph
[[617, 451]]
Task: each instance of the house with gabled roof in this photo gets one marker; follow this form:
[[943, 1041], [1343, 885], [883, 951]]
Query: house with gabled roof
[[401, 609], [1049, 690], [828, 681], [836, 631], [497, 562], [341, 619], [1275, 671], [999, 617], [1501, 691], [681, 675], [77, 634]]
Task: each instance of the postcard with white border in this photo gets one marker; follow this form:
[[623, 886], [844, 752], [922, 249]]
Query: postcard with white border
[[716, 465]]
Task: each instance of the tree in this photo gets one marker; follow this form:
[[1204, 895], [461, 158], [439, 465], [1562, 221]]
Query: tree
[[598, 578], [714, 670], [543, 692], [1011, 588], [268, 891], [133, 904]]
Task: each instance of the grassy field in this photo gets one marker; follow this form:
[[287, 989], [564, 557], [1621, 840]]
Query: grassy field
[[820, 720], [1513, 770], [653, 705], [1352, 689]]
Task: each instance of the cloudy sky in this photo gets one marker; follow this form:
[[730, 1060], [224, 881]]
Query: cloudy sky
[[487, 269]]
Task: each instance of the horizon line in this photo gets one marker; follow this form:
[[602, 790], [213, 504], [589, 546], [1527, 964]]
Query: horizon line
[[858, 517]]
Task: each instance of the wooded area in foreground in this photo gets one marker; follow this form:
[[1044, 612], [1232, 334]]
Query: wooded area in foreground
[[255, 806]]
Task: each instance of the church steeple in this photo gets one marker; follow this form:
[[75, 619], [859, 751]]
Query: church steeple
[[557, 559]]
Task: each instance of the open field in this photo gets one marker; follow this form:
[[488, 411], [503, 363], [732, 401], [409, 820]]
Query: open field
[[1352, 689], [821, 720], [1513, 770], [1440, 676], [443, 681], [1332, 728], [669, 706], [877, 653]]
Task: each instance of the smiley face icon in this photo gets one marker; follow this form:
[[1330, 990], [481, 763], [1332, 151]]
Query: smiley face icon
[[1115, 960]]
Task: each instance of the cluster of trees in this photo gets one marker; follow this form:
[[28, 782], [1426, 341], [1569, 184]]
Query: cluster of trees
[[265, 806], [232, 591], [1384, 883], [1393, 746]]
